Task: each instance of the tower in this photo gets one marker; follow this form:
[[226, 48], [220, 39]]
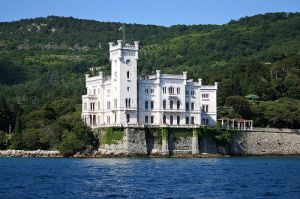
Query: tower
[[124, 94]]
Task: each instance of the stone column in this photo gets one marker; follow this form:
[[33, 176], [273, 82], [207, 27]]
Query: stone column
[[164, 143], [195, 144]]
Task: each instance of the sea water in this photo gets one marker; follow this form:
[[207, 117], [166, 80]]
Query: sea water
[[238, 177]]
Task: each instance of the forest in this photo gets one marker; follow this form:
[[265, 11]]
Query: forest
[[256, 61]]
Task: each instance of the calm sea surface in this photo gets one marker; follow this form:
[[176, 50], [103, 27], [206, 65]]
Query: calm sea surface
[[245, 177]]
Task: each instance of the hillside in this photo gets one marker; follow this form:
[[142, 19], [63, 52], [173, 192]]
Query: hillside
[[256, 61]]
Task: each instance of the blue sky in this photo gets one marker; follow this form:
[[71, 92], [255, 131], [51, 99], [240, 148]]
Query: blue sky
[[158, 12]]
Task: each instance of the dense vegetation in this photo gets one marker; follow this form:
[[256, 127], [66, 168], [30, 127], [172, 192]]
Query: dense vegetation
[[256, 61]]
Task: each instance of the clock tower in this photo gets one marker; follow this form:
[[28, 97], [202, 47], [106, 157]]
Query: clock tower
[[124, 89]]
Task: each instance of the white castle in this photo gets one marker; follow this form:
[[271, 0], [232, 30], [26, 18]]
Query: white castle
[[160, 100]]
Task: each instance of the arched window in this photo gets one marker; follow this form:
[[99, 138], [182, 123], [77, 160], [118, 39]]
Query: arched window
[[128, 118], [164, 119], [128, 74], [171, 90], [171, 104], [178, 119], [171, 119], [178, 104], [178, 90], [91, 120], [94, 120], [164, 104]]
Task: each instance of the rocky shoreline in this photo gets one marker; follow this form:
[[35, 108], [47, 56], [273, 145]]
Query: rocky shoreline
[[97, 154]]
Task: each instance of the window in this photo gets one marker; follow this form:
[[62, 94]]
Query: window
[[152, 90], [187, 106], [192, 120], [152, 104], [186, 92], [164, 90], [146, 90], [164, 104], [94, 120], [164, 119], [115, 118], [205, 121], [171, 90], [187, 120], [192, 92], [128, 74], [192, 106], [92, 106], [178, 119], [205, 108], [178, 104], [178, 90], [171, 119], [128, 118], [91, 120], [128, 89], [108, 119], [115, 103], [146, 105], [171, 104], [85, 106], [146, 119], [152, 119], [94, 91], [128, 102], [205, 96], [108, 105]]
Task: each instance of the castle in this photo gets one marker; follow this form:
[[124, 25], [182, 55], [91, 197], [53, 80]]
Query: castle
[[160, 100]]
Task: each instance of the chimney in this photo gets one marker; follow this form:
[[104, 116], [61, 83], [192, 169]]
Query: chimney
[[136, 44], [185, 75], [216, 84], [111, 44], [158, 73], [200, 82], [119, 43]]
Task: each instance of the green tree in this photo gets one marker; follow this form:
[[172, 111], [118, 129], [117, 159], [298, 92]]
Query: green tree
[[240, 105]]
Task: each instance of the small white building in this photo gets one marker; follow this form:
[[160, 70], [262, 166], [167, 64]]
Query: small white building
[[125, 99]]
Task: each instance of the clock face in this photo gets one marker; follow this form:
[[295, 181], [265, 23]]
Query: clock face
[[128, 62]]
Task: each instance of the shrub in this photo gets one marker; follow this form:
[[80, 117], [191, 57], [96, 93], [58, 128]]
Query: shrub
[[111, 136]]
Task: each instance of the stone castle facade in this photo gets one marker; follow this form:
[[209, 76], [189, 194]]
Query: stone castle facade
[[160, 100]]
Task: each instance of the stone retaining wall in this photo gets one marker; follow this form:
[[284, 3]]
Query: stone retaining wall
[[267, 141], [139, 142], [260, 141]]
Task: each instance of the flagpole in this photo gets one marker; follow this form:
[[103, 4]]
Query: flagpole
[[123, 30]]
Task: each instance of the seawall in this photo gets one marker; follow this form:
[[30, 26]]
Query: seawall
[[139, 142], [266, 141], [184, 142]]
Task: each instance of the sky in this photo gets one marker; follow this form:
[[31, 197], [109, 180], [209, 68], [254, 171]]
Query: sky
[[157, 12]]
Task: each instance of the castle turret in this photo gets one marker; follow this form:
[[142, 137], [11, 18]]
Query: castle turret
[[124, 59]]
